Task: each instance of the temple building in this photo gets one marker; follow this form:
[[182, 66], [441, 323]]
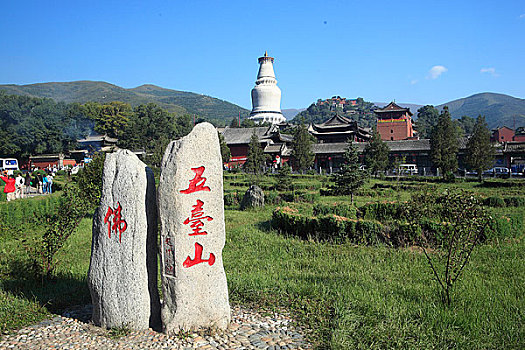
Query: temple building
[[339, 129], [266, 95], [394, 122]]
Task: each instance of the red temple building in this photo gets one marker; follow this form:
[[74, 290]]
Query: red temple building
[[502, 134], [394, 122]]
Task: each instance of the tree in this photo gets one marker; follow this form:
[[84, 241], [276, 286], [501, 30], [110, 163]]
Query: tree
[[150, 128], [466, 124], [113, 118], [464, 223], [225, 150], [480, 152], [427, 118], [444, 145], [376, 154], [255, 159], [302, 155], [284, 179], [349, 178]]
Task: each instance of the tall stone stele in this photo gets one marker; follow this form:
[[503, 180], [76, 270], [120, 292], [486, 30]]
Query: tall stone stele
[[191, 212], [122, 274]]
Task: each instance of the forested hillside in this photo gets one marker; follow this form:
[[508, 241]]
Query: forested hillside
[[498, 109], [179, 102], [320, 111], [32, 125]]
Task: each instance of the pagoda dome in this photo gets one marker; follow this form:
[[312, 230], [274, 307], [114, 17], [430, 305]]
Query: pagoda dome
[[266, 95]]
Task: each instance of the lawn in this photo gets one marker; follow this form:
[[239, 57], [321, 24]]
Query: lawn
[[349, 296]]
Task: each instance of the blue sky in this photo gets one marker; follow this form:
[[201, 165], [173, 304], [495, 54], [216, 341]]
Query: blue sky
[[411, 51]]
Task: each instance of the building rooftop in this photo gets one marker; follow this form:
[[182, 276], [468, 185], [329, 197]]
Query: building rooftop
[[393, 107]]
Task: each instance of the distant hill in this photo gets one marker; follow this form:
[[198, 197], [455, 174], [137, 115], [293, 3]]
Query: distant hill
[[179, 102], [498, 109], [290, 113]]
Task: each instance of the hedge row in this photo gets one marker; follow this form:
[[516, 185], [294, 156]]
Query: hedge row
[[500, 202], [382, 211], [503, 183], [336, 228], [329, 227], [340, 209]]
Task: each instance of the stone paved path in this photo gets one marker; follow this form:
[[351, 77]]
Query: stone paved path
[[249, 330]]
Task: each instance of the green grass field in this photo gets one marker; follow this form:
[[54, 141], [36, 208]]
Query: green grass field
[[349, 296]]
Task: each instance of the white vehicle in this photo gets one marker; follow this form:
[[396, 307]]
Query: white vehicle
[[9, 164], [408, 169]]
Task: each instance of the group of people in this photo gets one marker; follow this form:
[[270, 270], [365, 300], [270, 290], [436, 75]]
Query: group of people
[[19, 187]]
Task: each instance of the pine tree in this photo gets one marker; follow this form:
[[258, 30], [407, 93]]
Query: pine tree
[[284, 179], [376, 154], [302, 155], [444, 145], [225, 150], [480, 152], [427, 118], [255, 159], [349, 178]]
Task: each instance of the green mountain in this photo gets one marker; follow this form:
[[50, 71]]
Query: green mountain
[[498, 109], [179, 102]]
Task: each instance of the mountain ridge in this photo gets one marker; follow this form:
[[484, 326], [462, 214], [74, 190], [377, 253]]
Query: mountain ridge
[[499, 109], [179, 102]]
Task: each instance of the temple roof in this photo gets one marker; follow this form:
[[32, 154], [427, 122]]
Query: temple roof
[[337, 121], [237, 136], [393, 107], [270, 135]]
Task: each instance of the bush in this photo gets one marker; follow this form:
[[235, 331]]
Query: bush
[[382, 211], [331, 228], [273, 197], [231, 198], [340, 209], [515, 201], [496, 202]]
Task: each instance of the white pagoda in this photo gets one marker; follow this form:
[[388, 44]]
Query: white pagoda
[[266, 96]]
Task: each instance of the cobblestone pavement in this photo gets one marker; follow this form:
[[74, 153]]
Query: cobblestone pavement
[[249, 329]]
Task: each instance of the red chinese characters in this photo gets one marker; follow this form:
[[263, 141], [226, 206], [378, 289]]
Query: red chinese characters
[[198, 257], [196, 221], [197, 183], [197, 218], [117, 224]]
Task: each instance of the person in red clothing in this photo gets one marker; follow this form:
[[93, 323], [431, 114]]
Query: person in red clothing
[[9, 188]]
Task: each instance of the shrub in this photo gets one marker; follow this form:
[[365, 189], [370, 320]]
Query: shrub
[[331, 228], [273, 197], [465, 223], [382, 211], [231, 198], [515, 201], [340, 209], [497, 202]]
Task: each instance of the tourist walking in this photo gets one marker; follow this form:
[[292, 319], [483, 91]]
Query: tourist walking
[[40, 183], [9, 188], [44, 183], [28, 183], [49, 183], [19, 186]]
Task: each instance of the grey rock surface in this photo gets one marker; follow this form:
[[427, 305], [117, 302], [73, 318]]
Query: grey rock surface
[[191, 212], [122, 275], [254, 197]]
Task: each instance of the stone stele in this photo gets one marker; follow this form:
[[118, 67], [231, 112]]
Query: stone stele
[[191, 212], [122, 274]]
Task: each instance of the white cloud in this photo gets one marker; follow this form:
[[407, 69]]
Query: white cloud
[[436, 71], [414, 81], [490, 70], [522, 16]]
